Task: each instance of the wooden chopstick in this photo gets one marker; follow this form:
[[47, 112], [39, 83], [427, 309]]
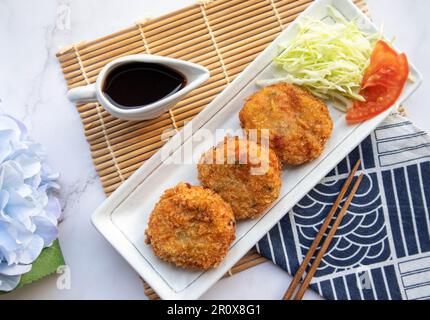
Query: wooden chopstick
[[328, 240], [288, 295]]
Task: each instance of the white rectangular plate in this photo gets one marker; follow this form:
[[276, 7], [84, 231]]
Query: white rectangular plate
[[122, 219]]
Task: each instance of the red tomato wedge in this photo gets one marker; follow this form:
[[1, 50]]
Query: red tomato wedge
[[383, 83]]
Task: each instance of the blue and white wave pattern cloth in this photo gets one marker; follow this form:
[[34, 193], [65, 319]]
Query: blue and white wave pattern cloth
[[382, 249]]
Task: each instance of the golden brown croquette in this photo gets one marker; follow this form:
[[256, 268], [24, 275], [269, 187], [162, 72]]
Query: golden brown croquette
[[191, 227], [299, 123], [248, 187]]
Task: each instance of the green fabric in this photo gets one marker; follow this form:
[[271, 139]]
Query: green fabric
[[48, 262]]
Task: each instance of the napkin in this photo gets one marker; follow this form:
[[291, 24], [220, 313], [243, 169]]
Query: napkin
[[382, 249]]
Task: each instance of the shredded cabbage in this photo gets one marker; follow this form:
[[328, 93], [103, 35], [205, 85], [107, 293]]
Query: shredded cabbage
[[329, 59]]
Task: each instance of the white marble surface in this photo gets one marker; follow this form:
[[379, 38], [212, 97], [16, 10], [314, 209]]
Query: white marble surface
[[32, 89]]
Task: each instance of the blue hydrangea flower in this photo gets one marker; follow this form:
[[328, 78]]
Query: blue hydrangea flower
[[29, 209]]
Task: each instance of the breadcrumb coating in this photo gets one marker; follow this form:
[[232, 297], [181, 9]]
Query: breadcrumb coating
[[299, 123], [191, 227], [251, 187]]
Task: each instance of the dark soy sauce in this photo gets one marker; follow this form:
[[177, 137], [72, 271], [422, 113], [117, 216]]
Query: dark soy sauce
[[137, 84]]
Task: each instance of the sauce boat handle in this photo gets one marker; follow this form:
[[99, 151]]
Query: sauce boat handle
[[83, 94]]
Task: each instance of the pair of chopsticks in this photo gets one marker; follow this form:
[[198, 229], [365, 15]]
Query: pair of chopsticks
[[296, 281]]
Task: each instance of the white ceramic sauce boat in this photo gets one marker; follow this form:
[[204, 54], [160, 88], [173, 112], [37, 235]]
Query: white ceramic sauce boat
[[195, 76]]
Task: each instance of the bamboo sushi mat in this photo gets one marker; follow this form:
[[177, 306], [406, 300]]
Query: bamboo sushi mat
[[224, 36]]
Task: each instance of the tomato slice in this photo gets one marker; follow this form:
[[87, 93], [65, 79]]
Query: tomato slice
[[383, 83], [382, 55]]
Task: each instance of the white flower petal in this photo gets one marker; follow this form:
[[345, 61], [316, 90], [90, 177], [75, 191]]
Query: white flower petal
[[8, 283], [53, 208], [5, 145], [30, 166], [8, 242], [46, 229], [10, 124], [4, 198], [14, 270], [32, 250], [29, 211]]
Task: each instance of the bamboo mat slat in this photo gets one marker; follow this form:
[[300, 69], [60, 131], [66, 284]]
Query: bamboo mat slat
[[224, 36]]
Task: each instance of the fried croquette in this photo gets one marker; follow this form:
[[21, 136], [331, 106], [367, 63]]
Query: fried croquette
[[249, 181], [191, 227], [299, 123]]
